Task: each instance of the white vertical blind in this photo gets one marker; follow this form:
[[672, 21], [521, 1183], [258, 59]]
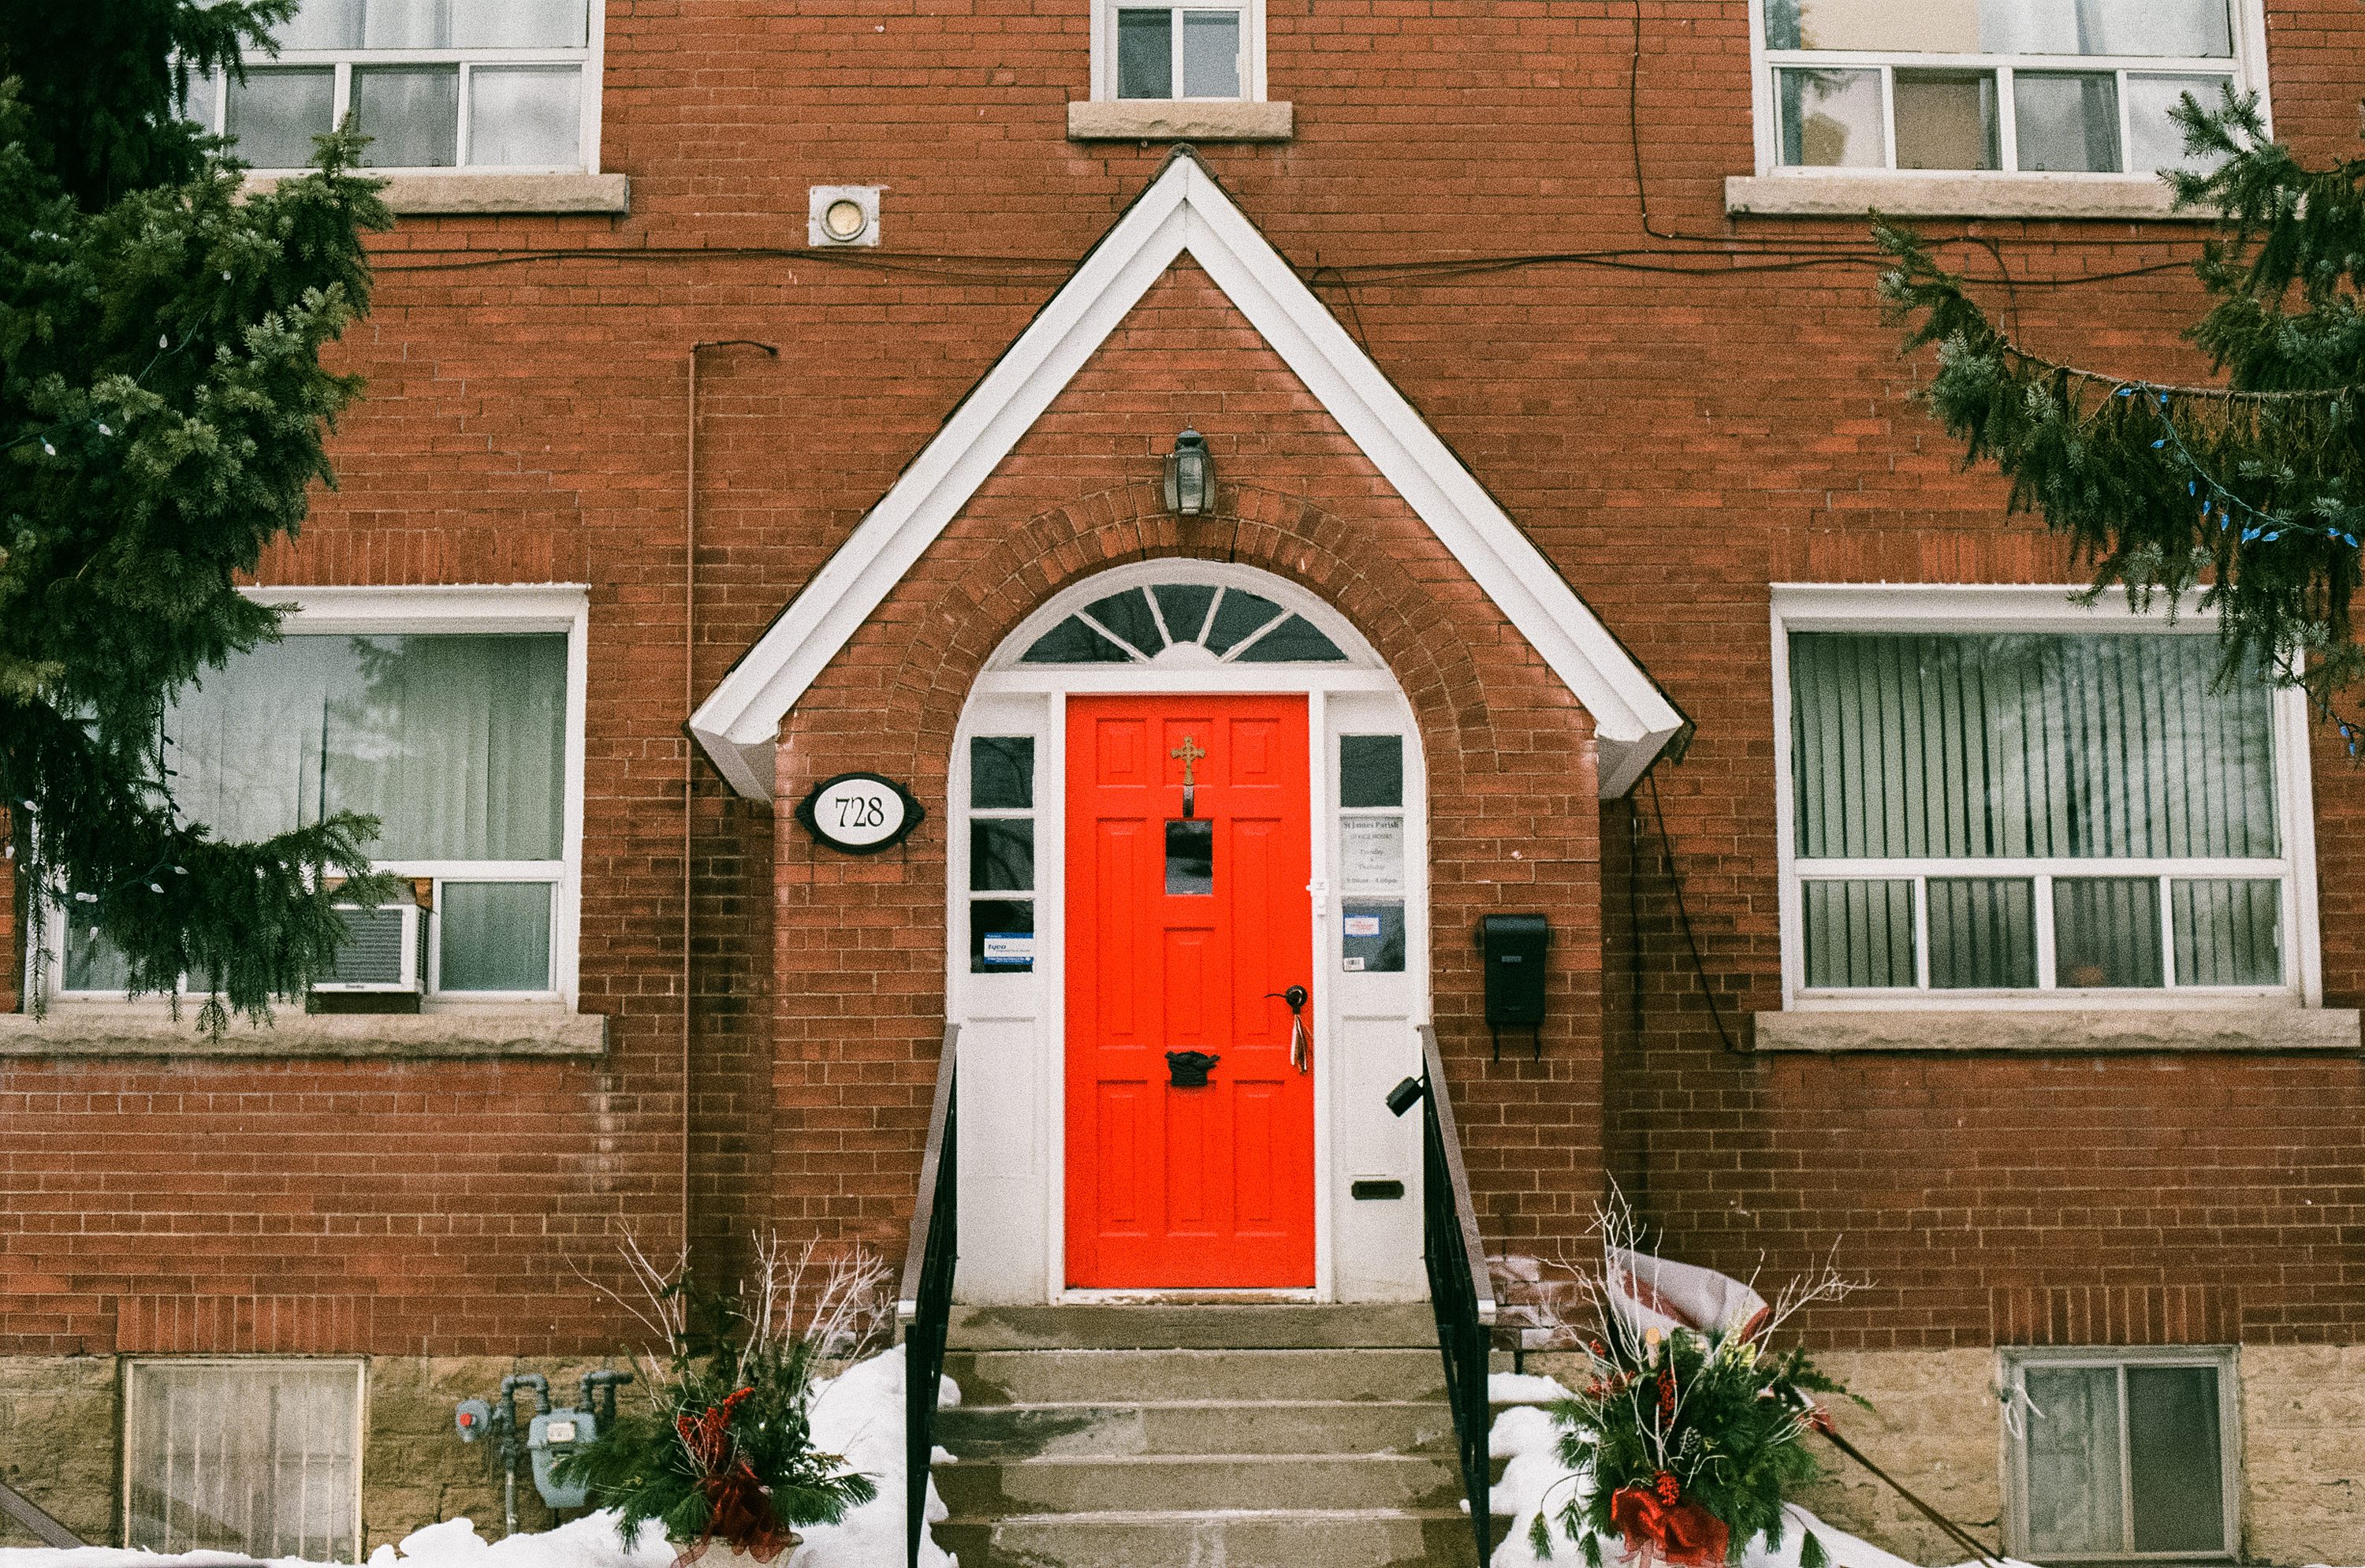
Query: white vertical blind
[[2111, 745], [1931, 753], [258, 1457]]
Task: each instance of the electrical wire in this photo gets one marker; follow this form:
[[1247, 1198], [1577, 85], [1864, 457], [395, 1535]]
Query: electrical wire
[[1683, 919]]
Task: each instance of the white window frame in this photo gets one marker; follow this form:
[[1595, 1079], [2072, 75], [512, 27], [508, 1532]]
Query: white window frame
[[1253, 51], [588, 58], [358, 1366], [1990, 611], [2013, 1364], [394, 612], [2247, 67]]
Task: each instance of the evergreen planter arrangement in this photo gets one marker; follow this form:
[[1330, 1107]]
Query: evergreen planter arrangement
[[721, 1456]]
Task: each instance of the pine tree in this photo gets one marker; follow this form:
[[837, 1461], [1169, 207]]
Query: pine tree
[[2252, 492], [162, 410]]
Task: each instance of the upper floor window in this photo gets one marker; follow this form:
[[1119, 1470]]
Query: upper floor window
[[2081, 815], [1202, 52], [2054, 87], [436, 84]]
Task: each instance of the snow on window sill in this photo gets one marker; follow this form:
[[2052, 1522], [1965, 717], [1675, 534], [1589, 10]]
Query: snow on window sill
[[1179, 119], [147, 1029], [1836, 193], [461, 192], [2270, 1027]]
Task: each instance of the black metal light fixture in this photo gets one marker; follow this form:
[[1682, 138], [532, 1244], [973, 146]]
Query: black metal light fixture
[[1190, 475]]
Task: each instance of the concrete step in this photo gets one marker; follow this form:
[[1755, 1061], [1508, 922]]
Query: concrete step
[[1361, 1538], [1164, 1326], [1307, 1426], [1082, 1377], [987, 1488]]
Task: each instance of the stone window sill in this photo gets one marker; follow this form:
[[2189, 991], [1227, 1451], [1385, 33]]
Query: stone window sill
[[1159, 119], [2116, 197], [148, 1029], [2268, 1028], [476, 191]]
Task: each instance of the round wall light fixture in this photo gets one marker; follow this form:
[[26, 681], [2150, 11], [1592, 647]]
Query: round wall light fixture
[[841, 214]]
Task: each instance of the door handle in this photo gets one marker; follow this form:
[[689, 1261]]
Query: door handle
[[1300, 1044]]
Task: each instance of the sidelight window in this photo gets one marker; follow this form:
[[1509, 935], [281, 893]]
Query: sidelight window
[[2092, 815], [2056, 86], [1002, 855]]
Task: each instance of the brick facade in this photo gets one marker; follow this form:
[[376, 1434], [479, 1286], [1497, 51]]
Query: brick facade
[[1676, 422]]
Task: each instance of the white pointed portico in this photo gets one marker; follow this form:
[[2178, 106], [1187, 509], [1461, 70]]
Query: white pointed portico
[[1183, 212]]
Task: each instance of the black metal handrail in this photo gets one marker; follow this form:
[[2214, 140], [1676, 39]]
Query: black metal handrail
[[924, 1304], [1459, 1290]]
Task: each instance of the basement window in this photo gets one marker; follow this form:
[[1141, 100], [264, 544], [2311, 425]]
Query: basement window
[[246, 1455], [513, 86], [2122, 1454], [2032, 86]]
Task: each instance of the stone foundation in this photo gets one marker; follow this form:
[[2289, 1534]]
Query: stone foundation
[[1936, 1425], [59, 1442]]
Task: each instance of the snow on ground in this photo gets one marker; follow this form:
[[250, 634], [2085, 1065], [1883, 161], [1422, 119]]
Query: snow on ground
[[859, 1415]]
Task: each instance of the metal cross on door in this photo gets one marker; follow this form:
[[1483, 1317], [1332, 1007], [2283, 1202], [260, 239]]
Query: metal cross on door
[[1188, 922]]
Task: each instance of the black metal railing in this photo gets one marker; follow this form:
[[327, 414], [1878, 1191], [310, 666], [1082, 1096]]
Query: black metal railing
[[1459, 1290], [925, 1303]]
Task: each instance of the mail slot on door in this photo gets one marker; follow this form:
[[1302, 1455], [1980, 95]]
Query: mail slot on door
[[1188, 1069], [1512, 947]]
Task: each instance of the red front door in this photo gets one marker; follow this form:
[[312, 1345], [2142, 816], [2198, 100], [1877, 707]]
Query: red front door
[[1181, 918]]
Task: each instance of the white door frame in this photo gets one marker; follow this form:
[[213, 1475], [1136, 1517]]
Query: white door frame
[[1013, 1039]]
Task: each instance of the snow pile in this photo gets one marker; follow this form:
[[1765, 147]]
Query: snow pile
[[1535, 1478], [859, 1415]]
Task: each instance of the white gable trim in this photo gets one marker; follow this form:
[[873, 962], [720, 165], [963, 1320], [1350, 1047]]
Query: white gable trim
[[1183, 212]]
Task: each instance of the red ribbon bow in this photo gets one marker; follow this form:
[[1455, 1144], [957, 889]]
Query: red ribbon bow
[[1679, 1533]]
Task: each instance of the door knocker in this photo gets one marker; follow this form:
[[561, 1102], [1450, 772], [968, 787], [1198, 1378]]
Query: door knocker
[[1188, 1069], [1300, 1044]]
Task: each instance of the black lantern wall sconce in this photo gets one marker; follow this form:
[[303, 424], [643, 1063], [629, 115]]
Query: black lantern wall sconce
[[1190, 475]]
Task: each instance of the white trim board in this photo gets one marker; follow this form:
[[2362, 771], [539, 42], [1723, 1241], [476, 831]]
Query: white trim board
[[1183, 212]]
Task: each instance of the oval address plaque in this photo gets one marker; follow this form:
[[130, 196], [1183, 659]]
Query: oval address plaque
[[860, 813]]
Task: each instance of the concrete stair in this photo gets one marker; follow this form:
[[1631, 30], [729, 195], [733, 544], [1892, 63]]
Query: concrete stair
[[1216, 1436]]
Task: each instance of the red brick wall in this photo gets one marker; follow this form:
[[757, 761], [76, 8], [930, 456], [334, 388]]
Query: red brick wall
[[1673, 442]]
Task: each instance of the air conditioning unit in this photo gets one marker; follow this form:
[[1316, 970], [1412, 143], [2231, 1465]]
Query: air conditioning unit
[[385, 950]]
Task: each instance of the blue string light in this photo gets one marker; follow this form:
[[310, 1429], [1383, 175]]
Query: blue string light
[[2220, 504]]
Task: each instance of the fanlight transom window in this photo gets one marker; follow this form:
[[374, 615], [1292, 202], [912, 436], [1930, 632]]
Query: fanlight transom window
[[1183, 623]]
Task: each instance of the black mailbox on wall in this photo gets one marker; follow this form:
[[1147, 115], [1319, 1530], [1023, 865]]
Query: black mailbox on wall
[[1512, 948]]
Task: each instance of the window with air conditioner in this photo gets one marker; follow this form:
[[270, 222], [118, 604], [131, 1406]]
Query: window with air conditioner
[[434, 84], [2080, 87], [2122, 1454], [1983, 806], [453, 718], [260, 1457]]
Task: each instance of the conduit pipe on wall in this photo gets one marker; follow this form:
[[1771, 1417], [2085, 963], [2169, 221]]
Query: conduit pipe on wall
[[690, 706]]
